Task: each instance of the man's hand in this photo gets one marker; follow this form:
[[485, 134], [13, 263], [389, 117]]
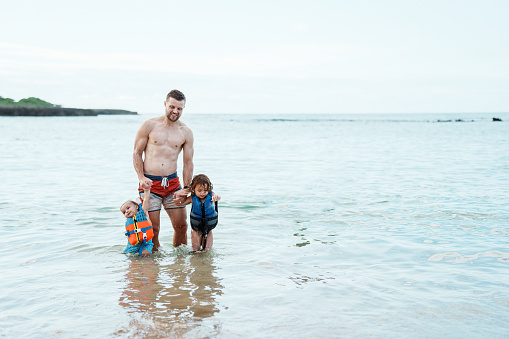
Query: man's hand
[[180, 196]]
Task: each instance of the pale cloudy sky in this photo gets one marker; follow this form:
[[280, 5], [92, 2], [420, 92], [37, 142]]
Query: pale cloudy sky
[[392, 56]]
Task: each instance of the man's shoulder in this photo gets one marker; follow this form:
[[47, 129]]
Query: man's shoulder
[[151, 123], [183, 125], [187, 131], [155, 120]]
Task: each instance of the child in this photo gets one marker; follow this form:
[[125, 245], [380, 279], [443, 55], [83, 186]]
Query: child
[[138, 226], [203, 212]]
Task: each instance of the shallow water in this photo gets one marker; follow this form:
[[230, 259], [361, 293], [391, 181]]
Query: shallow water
[[331, 226]]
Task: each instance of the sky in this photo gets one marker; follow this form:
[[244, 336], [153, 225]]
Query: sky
[[277, 56]]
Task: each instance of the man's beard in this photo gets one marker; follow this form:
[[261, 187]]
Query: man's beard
[[169, 116]]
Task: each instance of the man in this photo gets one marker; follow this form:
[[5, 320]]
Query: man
[[162, 139]]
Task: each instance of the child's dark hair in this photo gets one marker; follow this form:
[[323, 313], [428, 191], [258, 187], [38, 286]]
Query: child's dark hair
[[201, 179], [128, 202]]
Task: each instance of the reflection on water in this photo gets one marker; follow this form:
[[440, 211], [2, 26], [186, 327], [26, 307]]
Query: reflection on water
[[170, 296]]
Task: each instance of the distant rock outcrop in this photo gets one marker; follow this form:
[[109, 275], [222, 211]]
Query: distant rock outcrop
[[457, 120], [18, 111], [113, 112], [461, 120], [35, 107]]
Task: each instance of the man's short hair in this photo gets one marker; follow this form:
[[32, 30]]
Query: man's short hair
[[176, 94]]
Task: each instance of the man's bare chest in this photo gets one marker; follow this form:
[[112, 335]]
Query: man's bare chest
[[173, 138]]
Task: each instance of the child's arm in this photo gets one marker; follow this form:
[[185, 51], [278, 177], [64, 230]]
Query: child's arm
[[145, 206], [215, 198], [188, 200]]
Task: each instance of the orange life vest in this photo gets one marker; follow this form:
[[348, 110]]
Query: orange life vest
[[139, 229]]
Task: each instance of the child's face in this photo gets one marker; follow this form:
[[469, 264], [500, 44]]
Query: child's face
[[129, 209], [201, 191]]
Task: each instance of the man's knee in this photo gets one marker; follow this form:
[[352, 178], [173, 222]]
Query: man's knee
[[180, 226], [178, 218], [154, 218]]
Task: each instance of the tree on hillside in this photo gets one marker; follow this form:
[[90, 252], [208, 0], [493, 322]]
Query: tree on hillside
[[6, 101], [34, 102], [27, 102]]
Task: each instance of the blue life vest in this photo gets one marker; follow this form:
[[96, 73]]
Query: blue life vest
[[203, 214]]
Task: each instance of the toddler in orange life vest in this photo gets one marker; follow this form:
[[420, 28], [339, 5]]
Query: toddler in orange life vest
[[139, 229]]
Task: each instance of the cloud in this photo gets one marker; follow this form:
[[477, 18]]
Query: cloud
[[287, 60]]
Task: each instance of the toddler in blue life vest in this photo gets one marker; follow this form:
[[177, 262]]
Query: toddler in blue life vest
[[138, 226], [203, 212]]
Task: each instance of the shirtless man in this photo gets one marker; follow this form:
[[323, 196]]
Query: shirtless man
[[162, 139]]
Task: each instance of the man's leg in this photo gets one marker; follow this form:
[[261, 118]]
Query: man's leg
[[156, 224], [178, 217]]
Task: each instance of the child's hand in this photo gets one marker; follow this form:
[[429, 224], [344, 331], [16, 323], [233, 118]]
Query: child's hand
[[145, 184], [216, 197]]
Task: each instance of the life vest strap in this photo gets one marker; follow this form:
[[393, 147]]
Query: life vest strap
[[142, 245], [139, 230], [205, 219]]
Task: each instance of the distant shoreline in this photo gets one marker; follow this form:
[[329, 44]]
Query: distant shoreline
[[22, 111]]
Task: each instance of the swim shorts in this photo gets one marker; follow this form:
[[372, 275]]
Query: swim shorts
[[136, 248], [161, 192]]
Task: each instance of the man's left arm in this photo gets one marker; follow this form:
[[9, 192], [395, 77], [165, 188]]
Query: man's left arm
[[187, 171], [188, 150]]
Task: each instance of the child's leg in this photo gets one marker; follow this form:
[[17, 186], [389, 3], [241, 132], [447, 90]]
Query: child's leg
[[196, 240], [210, 241], [145, 253]]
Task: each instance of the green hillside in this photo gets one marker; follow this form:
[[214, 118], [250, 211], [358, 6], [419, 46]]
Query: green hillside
[[27, 102], [35, 107]]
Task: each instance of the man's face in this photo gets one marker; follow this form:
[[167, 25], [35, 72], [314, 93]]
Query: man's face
[[174, 109]]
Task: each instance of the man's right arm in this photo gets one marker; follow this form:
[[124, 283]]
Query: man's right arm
[[140, 143]]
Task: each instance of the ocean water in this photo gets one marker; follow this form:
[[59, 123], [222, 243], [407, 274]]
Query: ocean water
[[331, 226]]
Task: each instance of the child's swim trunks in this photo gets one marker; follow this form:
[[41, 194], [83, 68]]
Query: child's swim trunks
[[161, 192], [136, 249]]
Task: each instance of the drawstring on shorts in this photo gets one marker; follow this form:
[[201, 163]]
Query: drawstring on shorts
[[164, 182]]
